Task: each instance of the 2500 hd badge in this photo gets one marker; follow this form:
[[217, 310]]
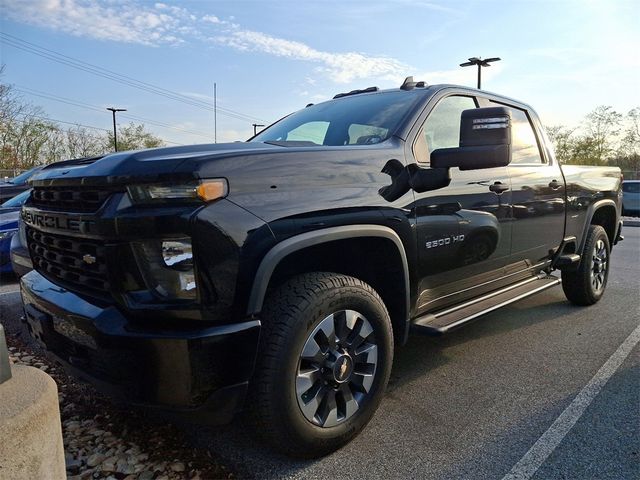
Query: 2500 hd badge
[[445, 241]]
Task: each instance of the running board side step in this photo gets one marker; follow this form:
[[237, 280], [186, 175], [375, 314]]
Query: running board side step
[[443, 321]]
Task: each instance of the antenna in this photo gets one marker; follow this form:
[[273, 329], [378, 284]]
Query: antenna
[[409, 84], [215, 113]]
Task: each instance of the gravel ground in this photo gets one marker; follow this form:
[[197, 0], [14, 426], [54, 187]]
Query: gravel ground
[[102, 440]]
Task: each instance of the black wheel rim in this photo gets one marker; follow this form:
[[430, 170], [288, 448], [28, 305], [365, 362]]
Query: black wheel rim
[[599, 267], [336, 368]]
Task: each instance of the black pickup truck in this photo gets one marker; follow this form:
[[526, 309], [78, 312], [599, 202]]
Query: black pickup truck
[[280, 273]]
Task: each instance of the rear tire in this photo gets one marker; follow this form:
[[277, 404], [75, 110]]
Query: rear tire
[[324, 362], [586, 284]]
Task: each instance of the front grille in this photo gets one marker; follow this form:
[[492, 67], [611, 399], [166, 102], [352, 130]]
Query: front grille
[[77, 263], [64, 198]]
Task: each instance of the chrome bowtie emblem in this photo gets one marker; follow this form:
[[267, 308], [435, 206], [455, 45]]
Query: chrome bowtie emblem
[[343, 368], [89, 259]]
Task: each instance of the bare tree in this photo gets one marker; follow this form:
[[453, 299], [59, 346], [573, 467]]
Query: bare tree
[[82, 142]]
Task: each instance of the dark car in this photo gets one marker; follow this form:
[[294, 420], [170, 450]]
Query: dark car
[[281, 274], [631, 197], [9, 217], [17, 184]]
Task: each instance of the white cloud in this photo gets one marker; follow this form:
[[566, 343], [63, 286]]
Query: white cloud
[[212, 19], [116, 21], [341, 67], [131, 21]]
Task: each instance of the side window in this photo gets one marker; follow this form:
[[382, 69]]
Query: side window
[[311, 131], [442, 127], [524, 146]]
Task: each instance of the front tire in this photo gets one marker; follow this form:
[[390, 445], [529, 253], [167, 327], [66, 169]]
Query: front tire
[[325, 359], [586, 285]]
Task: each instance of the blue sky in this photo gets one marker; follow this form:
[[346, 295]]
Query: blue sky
[[269, 58]]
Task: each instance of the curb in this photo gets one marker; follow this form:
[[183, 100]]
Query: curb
[[630, 222]]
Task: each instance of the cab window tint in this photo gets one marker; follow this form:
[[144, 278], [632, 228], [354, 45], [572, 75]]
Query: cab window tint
[[524, 146], [311, 131], [442, 127], [366, 134]]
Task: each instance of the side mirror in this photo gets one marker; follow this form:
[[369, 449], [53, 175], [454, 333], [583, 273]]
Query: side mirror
[[485, 141]]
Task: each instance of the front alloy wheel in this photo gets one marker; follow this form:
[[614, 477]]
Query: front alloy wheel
[[336, 368], [325, 356], [599, 268]]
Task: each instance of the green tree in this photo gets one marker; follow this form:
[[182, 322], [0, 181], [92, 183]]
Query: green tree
[[628, 154], [584, 151], [602, 127], [563, 142], [23, 129], [133, 137]]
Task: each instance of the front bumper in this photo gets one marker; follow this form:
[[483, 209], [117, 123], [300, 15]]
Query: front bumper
[[20, 261], [202, 372]]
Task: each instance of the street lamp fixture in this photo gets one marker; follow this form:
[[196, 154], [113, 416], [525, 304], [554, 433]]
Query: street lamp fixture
[[255, 127], [480, 63], [115, 135]]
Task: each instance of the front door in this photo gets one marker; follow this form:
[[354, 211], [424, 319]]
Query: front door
[[463, 230]]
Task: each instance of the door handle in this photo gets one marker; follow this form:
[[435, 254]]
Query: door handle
[[499, 187], [554, 185]]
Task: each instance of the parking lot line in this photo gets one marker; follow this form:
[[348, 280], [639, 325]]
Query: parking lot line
[[548, 442], [9, 292]]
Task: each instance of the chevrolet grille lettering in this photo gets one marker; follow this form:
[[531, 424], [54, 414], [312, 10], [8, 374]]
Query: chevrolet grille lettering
[[58, 222]]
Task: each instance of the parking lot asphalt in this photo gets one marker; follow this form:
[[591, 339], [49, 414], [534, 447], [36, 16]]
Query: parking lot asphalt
[[476, 402]]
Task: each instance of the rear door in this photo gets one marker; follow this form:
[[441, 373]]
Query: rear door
[[538, 192]]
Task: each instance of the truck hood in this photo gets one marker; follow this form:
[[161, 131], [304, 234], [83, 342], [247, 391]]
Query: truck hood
[[158, 164]]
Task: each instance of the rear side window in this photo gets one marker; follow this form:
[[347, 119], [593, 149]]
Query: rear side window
[[442, 127], [631, 187], [524, 145]]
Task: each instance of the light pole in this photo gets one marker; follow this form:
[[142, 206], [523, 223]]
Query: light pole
[[480, 63], [115, 134], [255, 126]]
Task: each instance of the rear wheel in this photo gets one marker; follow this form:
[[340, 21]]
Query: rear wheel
[[325, 360], [586, 285]]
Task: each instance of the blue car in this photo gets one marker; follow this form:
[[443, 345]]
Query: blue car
[[9, 216]]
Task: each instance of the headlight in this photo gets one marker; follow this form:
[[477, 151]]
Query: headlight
[[6, 234], [196, 191], [167, 267]]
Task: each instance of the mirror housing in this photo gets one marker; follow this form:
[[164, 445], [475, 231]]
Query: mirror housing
[[485, 141], [428, 179]]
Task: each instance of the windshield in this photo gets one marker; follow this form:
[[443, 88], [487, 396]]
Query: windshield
[[23, 177], [18, 200], [363, 119]]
